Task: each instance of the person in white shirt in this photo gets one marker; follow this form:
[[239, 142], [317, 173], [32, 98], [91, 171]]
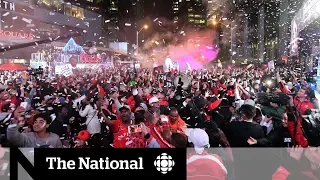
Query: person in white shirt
[[92, 121]]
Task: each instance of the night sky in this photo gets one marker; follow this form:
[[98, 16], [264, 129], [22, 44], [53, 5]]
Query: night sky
[[159, 8]]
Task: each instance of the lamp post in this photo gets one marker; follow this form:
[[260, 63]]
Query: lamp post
[[144, 27], [137, 52], [214, 22]]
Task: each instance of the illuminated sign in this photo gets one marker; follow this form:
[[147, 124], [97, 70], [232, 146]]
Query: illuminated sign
[[7, 5], [13, 34], [84, 58]]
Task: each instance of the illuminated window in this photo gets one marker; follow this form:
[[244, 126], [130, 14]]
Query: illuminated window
[[197, 16], [191, 20], [197, 21], [202, 21], [74, 11], [190, 15], [190, 10]]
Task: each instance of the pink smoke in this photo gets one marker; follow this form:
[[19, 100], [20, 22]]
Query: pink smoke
[[196, 48]]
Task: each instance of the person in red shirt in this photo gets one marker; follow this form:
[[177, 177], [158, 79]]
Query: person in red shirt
[[156, 130], [301, 102], [119, 128], [200, 164], [162, 99], [146, 95], [121, 136]]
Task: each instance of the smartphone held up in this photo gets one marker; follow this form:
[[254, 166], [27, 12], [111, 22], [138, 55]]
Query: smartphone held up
[[135, 129]]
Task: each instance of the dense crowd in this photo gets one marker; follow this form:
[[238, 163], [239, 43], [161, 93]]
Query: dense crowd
[[128, 108]]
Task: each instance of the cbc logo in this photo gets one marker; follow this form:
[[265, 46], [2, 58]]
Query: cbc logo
[[164, 163]]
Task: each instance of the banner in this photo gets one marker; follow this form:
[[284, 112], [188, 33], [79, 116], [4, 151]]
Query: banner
[[66, 71], [271, 64]]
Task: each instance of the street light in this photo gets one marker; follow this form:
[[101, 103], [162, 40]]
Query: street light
[[214, 22], [134, 60], [143, 27]]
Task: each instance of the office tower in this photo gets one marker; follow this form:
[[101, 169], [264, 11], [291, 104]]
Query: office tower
[[112, 20], [175, 8], [190, 13]]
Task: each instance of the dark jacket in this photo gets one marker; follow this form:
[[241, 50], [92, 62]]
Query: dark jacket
[[57, 127], [238, 132], [278, 137]]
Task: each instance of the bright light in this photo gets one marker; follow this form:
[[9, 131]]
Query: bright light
[[269, 82], [168, 63], [145, 26], [317, 7], [214, 22]]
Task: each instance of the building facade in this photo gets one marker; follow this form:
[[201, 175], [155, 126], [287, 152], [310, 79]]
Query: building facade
[[24, 21], [305, 36], [265, 29], [190, 13]]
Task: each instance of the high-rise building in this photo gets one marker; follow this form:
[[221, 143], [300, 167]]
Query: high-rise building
[[131, 20], [197, 16], [213, 9], [190, 13], [264, 28], [175, 8], [108, 9], [112, 20]]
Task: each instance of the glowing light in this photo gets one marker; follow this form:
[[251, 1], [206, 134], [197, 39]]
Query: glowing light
[[269, 82], [145, 26], [168, 63], [214, 22]]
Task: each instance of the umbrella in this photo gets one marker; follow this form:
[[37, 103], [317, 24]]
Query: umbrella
[[13, 67]]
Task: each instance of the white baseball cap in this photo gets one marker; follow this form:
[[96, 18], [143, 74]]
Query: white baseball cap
[[249, 102], [153, 100], [199, 138]]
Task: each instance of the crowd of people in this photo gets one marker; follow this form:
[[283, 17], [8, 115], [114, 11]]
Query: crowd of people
[[213, 108]]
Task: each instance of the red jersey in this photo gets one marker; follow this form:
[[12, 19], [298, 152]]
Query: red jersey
[[302, 106], [155, 132], [120, 134], [205, 166], [122, 138]]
